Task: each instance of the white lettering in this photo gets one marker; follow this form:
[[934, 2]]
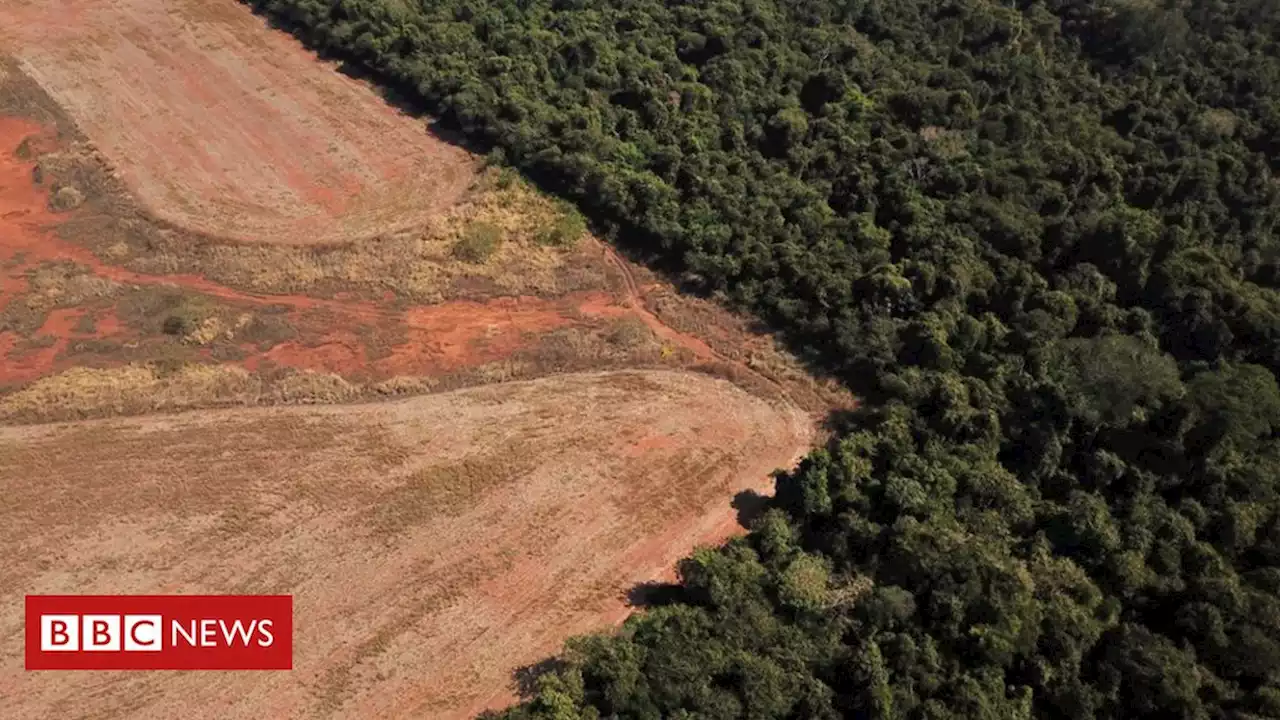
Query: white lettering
[[179, 629], [209, 632], [237, 628], [264, 628]]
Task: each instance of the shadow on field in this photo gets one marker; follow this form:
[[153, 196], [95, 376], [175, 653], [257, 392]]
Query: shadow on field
[[750, 505], [526, 677], [653, 594]]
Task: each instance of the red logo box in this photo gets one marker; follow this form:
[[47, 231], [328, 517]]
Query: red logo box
[[159, 632]]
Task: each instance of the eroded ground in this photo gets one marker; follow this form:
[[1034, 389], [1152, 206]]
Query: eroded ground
[[432, 544], [103, 313]]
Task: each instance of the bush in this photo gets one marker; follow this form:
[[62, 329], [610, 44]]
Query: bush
[[565, 231], [186, 315], [66, 198], [180, 324], [478, 242], [629, 332]]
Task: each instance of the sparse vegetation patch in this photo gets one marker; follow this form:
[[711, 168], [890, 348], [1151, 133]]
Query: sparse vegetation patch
[[479, 241]]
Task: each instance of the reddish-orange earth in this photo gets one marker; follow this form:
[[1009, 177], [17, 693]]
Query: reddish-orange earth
[[417, 594], [525, 529], [434, 339], [432, 545]]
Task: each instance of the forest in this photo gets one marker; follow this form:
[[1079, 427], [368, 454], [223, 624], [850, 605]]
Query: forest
[[1037, 237]]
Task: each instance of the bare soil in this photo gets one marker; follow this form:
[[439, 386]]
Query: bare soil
[[224, 126], [433, 545]]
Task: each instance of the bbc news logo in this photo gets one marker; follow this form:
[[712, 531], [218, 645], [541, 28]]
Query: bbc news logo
[[159, 632]]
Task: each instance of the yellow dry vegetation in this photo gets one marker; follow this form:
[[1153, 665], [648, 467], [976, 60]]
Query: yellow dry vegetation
[[422, 265], [51, 286], [140, 389], [417, 265]]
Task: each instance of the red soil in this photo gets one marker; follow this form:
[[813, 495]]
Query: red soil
[[439, 338], [202, 137], [23, 207], [436, 339], [529, 600]]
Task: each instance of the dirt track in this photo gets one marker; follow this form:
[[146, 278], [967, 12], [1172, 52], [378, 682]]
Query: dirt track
[[432, 545], [81, 316], [226, 127], [435, 339]]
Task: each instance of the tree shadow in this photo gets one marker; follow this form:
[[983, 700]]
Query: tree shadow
[[837, 422], [654, 593], [526, 677], [750, 506], [398, 95]]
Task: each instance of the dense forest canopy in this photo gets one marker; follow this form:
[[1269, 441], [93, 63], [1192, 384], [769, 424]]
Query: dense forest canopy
[[1038, 237]]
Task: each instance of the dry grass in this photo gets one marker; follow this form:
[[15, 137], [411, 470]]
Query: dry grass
[[84, 392], [623, 342], [417, 266], [51, 286], [446, 489], [172, 376], [199, 324], [401, 386], [179, 384], [762, 364], [130, 390], [167, 309], [478, 243], [196, 319], [453, 537], [630, 332]]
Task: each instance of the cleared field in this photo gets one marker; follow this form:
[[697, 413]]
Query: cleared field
[[433, 545], [226, 127]]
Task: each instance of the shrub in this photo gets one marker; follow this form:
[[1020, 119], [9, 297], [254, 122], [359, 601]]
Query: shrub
[[629, 332], [478, 242], [185, 316], [66, 198], [565, 231]]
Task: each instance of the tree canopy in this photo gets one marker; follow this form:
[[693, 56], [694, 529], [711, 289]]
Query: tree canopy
[[1038, 236]]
